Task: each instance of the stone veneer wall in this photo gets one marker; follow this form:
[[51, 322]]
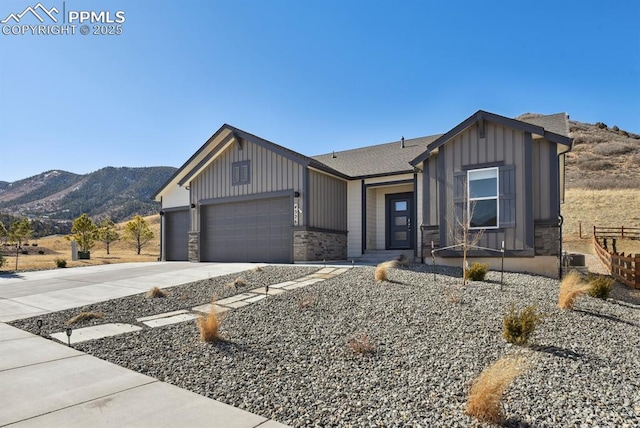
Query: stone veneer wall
[[317, 245], [547, 238], [430, 233], [194, 237]]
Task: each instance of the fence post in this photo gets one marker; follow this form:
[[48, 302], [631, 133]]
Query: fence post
[[580, 229], [622, 232], [594, 230]]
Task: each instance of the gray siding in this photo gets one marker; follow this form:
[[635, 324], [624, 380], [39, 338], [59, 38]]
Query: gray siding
[[270, 172], [327, 197], [430, 204], [545, 165], [501, 146], [372, 219]]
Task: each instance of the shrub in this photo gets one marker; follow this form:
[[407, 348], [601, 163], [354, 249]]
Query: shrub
[[361, 345], [571, 287], [257, 269], [597, 165], [403, 260], [615, 128], [453, 295], [61, 263], [84, 316], [236, 283], [382, 270], [3, 260], [613, 148], [155, 292], [25, 251], [601, 125], [485, 395], [477, 271], [519, 325], [600, 286], [41, 252], [209, 325]]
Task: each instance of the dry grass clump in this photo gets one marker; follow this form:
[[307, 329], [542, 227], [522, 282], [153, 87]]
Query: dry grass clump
[[518, 326], [382, 270], [571, 287], [236, 283], [485, 395], [257, 269], [156, 292], [361, 345], [307, 301], [84, 316], [209, 325], [453, 295]]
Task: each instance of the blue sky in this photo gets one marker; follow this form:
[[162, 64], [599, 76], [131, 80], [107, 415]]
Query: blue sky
[[314, 76]]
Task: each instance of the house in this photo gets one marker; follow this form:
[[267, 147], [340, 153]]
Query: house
[[243, 198]]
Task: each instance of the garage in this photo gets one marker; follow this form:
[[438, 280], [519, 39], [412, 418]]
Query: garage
[[176, 231], [257, 230]]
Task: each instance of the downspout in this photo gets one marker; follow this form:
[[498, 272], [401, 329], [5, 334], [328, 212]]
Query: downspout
[[160, 258], [560, 218]]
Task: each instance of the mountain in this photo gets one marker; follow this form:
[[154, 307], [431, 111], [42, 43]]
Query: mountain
[[60, 196]]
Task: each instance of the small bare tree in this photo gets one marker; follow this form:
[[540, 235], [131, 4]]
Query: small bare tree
[[463, 236]]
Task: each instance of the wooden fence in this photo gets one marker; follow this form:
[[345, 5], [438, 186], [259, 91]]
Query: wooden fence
[[617, 232], [625, 269]]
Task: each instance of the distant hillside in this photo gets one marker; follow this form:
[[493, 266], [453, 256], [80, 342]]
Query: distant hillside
[[603, 157], [118, 193]]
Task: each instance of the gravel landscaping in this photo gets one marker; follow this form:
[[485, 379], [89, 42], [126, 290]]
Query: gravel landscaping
[[287, 358]]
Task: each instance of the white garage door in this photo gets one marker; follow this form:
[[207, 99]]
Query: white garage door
[[248, 231]]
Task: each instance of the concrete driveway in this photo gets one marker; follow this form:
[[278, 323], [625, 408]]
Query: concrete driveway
[[28, 294], [47, 384]]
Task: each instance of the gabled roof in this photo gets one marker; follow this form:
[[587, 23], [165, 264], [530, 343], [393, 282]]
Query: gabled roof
[[527, 126], [378, 160], [219, 142]]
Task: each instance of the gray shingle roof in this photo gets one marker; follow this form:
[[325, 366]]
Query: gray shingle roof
[[557, 123], [391, 158], [381, 159]]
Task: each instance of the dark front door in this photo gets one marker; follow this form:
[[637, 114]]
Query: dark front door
[[399, 221]]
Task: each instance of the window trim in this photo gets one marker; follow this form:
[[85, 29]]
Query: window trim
[[236, 179], [483, 198]]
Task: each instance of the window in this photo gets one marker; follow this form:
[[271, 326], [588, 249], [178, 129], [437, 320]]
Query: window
[[483, 198], [240, 173]]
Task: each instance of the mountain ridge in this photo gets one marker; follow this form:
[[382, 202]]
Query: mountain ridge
[[61, 196]]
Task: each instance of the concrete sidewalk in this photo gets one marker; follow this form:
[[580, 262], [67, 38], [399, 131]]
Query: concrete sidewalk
[[29, 294], [46, 384]]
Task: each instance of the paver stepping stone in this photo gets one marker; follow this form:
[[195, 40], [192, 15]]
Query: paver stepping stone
[[280, 285], [96, 332], [326, 270], [238, 304], [272, 291], [164, 315], [256, 298], [159, 322], [205, 309], [242, 296]]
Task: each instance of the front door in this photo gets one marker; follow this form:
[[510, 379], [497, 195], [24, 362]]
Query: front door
[[399, 221]]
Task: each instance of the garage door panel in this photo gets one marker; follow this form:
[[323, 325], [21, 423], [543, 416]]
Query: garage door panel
[[176, 231], [248, 231]]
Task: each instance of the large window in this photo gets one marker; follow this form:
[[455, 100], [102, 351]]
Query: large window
[[240, 173], [482, 201]]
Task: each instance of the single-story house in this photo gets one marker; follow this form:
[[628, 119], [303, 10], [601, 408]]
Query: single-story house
[[243, 198]]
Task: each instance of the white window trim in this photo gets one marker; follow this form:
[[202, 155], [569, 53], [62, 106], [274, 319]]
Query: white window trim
[[496, 198]]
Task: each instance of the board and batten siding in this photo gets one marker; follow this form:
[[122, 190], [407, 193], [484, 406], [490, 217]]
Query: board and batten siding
[[354, 218], [269, 172], [465, 151], [545, 193], [372, 219], [327, 202]]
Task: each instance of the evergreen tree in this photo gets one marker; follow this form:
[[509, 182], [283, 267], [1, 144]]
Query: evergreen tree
[[107, 233], [84, 232], [137, 231]]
